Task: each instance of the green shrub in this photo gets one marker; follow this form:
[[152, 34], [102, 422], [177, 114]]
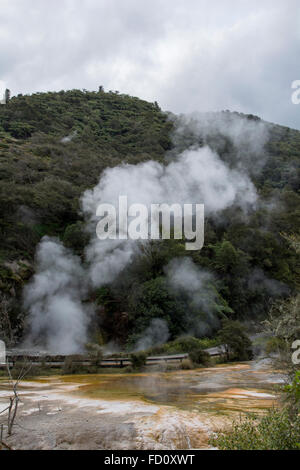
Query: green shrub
[[274, 431], [138, 360], [20, 130], [70, 365], [186, 364], [185, 344], [274, 345], [95, 353], [292, 397], [198, 356], [75, 237], [238, 346]]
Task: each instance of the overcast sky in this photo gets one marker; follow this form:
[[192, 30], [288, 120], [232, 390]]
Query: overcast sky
[[186, 54]]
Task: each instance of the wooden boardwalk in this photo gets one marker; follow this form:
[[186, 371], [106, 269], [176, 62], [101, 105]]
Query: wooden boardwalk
[[109, 362], [59, 360]]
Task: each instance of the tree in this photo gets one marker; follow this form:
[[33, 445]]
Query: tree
[[227, 259], [235, 341], [283, 322], [199, 356], [138, 360], [20, 130], [75, 237], [7, 95], [12, 408], [6, 328]]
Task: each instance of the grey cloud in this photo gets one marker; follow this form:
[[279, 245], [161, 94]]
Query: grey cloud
[[197, 55]]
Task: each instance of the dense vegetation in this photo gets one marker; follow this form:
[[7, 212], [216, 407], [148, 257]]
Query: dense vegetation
[[53, 146], [274, 431], [279, 428]]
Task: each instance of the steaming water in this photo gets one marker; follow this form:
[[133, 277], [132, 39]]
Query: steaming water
[[223, 388], [166, 410]]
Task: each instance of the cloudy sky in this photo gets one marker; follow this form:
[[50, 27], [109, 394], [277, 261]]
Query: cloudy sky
[[186, 54]]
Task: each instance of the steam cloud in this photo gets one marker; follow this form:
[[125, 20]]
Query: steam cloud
[[157, 333], [58, 318], [245, 136], [69, 138], [185, 277], [259, 281], [195, 176]]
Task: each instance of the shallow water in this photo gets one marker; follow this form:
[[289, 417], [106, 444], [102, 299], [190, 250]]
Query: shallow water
[[239, 387]]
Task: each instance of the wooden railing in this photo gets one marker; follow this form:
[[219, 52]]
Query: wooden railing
[[56, 361], [59, 360]]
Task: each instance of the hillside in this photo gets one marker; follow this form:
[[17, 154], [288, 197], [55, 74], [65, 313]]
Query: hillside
[[53, 146]]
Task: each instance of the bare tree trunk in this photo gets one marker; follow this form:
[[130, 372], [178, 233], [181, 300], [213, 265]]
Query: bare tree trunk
[[5, 305], [12, 413], [14, 401]]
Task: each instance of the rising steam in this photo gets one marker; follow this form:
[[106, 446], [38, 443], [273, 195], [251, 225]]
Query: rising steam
[[157, 333], [195, 176], [58, 317], [184, 277]]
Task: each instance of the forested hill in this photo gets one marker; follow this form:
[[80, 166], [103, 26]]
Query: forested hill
[[53, 146]]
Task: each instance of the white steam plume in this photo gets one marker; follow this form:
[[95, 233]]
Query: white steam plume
[[195, 176], [247, 136], [57, 317], [258, 281], [157, 333], [184, 276], [68, 138]]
